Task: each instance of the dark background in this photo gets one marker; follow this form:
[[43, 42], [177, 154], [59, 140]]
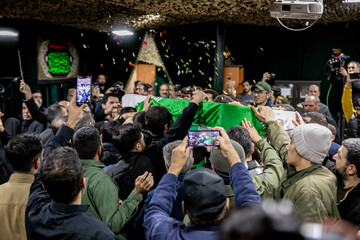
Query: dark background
[[291, 55]]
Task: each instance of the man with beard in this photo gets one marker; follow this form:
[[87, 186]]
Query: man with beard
[[347, 161], [101, 79], [247, 96]]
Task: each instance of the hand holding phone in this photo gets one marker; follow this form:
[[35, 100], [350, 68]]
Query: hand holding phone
[[355, 76], [203, 138], [83, 90]]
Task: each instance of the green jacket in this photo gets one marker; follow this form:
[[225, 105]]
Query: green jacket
[[312, 190], [268, 181], [101, 193]]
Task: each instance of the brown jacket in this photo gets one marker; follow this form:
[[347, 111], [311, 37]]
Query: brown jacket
[[13, 198]]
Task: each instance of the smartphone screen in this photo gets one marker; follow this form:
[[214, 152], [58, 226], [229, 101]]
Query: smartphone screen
[[354, 75], [83, 90], [203, 138]]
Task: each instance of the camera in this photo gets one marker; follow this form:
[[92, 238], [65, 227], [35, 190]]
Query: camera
[[272, 75], [337, 60]]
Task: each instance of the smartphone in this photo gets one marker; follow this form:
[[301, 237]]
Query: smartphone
[[83, 90], [203, 138], [95, 84], [354, 75]]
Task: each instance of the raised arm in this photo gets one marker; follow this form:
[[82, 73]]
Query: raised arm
[[157, 220], [240, 180], [346, 99], [267, 182]]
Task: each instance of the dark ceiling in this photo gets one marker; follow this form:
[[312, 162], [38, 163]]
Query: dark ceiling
[[105, 15]]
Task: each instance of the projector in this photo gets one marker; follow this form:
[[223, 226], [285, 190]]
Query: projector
[[298, 9]]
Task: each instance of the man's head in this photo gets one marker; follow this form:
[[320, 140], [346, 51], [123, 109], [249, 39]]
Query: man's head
[[315, 117], [310, 142], [347, 160], [101, 79], [62, 175], [246, 85], [353, 67], [205, 198], [223, 99], [167, 152], [26, 113], [220, 163], [211, 94], [87, 142], [24, 152], [70, 94], [110, 129], [312, 104], [357, 106], [129, 139], [262, 93], [148, 89], [186, 93], [36, 94], [110, 99], [140, 88], [56, 115], [241, 135], [158, 120], [314, 90], [164, 90]]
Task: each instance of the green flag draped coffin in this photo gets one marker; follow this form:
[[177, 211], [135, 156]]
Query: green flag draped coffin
[[210, 114]]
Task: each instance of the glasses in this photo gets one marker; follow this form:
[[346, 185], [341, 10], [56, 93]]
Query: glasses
[[259, 92]]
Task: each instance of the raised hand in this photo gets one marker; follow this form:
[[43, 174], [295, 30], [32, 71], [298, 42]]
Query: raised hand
[[144, 183], [179, 157], [254, 135]]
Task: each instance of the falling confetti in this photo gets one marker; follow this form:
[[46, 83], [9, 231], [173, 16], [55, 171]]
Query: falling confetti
[[210, 79], [101, 65], [122, 50], [209, 85], [133, 54], [115, 37], [131, 64], [124, 59], [212, 41], [81, 34], [106, 47], [144, 42], [183, 38], [201, 72], [117, 43], [109, 16], [161, 34], [261, 49], [200, 58], [84, 46]]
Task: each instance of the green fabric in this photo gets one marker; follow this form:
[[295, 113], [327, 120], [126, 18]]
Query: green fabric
[[210, 114], [101, 193]]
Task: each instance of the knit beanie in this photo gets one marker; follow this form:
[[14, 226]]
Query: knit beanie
[[312, 142]]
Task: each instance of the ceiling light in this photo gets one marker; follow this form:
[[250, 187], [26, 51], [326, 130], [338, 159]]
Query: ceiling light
[[122, 33], [351, 1], [8, 33]]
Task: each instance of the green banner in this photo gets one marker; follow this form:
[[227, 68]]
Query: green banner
[[210, 114]]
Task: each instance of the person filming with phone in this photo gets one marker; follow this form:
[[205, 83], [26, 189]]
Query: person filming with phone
[[351, 112]]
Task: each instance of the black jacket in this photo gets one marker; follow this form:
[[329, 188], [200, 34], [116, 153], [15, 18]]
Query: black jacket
[[176, 132], [110, 154], [128, 169], [46, 219], [349, 206]]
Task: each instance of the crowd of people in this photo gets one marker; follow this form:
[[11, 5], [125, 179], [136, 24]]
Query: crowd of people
[[108, 171]]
